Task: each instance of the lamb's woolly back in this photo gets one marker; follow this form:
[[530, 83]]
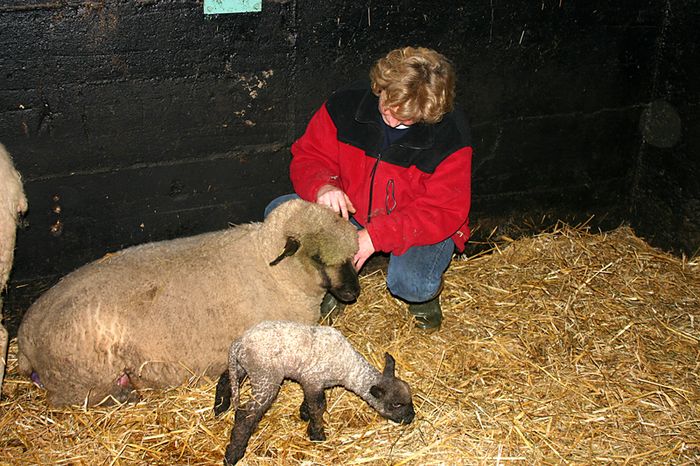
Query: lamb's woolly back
[[314, 355]]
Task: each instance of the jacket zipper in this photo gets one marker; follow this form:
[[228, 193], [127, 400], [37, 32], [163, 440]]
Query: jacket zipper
[[371, 187]]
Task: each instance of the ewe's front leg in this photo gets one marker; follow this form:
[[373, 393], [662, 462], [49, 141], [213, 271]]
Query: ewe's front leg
[[311, 410]]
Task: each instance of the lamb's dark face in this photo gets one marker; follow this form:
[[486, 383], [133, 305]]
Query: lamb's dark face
[[394, 400], [393, 395]]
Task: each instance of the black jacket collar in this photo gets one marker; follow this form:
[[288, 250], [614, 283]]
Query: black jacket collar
[[418, 136], [355, 113]]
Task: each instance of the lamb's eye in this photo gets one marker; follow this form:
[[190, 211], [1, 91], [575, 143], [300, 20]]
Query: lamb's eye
[[397, 405]]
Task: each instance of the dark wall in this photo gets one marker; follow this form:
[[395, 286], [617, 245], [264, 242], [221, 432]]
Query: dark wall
[[665, 205], [145, 120]]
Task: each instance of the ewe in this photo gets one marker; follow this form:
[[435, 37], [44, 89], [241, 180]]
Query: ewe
[[157, 314]]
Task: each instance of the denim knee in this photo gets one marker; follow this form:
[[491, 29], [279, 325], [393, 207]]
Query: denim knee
[[411, 291], [416, 276], [277, 201]]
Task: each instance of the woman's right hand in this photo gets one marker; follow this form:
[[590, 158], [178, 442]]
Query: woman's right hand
[[336, 199]]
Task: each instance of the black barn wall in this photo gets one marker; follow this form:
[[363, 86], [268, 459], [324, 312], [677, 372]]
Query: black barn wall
[[134, 121], [665, 200]]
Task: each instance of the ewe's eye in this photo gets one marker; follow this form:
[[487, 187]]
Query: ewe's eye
[[316, 258]]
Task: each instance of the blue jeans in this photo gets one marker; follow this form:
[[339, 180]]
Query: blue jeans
[[414, 276]]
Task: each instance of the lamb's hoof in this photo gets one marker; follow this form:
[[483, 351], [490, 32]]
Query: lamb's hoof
[[316, 435], [304, 412], [221, 408], [232, 456]]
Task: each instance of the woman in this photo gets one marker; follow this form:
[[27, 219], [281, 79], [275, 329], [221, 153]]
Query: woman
[[394, 156]]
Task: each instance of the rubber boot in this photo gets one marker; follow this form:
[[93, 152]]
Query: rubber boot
[[428, 315], [331, 309]]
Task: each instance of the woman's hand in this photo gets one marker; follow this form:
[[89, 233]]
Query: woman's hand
[[336, 199], [365, 250]]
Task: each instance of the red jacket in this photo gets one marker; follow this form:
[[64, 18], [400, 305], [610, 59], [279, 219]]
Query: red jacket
[[420, 186]]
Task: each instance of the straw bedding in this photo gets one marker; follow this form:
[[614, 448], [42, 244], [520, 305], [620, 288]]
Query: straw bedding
[[563, 348]]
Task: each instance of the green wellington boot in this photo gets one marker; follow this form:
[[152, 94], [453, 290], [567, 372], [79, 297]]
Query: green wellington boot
[[428, 315], [331, 309]]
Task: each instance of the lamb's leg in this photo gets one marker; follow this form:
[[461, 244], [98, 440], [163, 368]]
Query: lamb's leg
[[222, 398], [311, 410], [247, 418]]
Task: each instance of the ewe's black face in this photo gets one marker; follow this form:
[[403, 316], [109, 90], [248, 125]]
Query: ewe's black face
[[341, 280], [337, 273]]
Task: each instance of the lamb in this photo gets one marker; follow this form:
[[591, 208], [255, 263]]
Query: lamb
[[157, 314], [13, 203], [316, 357]]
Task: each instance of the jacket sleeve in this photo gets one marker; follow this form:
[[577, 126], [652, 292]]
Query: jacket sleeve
[[315, 157], [434, 216]]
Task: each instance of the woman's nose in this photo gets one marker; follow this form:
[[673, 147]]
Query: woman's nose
[[389, 119]]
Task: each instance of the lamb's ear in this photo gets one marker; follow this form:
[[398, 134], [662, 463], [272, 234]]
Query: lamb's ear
[[376, 391], [290, 248], [389, 365]]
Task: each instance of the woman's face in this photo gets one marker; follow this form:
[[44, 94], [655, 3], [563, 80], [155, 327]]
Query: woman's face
[[388, 114]]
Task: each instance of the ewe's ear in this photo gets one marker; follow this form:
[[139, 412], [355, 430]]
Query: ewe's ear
[[376, 391], [290, 248], [389, 365]]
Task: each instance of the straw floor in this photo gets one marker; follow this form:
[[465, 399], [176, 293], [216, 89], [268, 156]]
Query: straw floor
[[563, 348]]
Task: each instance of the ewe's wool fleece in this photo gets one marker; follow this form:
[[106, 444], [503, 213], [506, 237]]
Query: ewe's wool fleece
[[166, 311], [12, 203]]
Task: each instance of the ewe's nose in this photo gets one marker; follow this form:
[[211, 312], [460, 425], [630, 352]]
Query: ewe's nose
[[349, 287]]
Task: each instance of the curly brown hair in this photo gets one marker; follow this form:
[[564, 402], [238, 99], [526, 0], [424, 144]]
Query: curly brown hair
[[416, 83]]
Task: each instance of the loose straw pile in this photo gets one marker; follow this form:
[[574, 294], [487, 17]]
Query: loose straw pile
[[563, 348]]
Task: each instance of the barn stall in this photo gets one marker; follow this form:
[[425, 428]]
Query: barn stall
[[149, 120], [566, 347]]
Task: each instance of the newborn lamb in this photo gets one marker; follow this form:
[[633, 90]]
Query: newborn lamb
[[317, 358]]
